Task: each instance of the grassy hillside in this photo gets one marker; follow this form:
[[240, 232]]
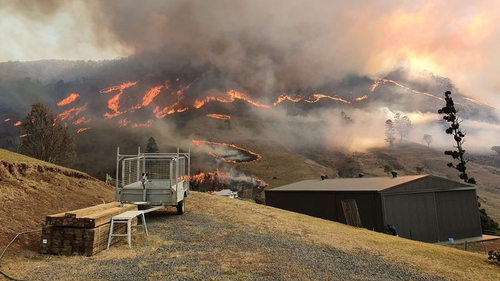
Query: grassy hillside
[[30, 189], [226, 239]]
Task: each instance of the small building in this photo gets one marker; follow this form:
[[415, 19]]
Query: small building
[[227, 192], [422, 207]]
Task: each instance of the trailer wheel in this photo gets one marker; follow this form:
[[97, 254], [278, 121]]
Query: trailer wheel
[[180, 207]]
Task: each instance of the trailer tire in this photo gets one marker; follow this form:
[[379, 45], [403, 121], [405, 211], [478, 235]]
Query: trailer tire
[[180, 207]]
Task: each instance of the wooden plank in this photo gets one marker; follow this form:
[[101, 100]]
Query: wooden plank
[[89, 217], [78, 241]]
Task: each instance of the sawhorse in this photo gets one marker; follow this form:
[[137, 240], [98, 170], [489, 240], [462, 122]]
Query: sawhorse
[[126, 218]]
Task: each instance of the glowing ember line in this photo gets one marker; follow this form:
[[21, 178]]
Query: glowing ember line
[[18, 123], [83, 130], [6, 120], [211, 143], [480, 102], [232, 96], [285, 97], [123, 123], [82, 120], [23, 135], [361, 98], [142, 125], [221, 178], [219, 116], [71, 98], [114, 102], [119, 88], [70, 113]]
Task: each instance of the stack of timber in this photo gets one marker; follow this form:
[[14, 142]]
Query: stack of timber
[[84, 231]]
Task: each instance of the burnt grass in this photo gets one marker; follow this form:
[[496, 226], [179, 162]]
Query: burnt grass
[[199, 247]]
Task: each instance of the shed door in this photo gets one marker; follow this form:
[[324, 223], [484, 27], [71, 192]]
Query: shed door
[[351, 212], [413, 215]]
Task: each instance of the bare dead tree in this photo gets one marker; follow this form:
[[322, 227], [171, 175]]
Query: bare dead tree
[[403, 125]]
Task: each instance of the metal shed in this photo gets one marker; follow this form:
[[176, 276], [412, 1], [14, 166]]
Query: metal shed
[[422, 207]]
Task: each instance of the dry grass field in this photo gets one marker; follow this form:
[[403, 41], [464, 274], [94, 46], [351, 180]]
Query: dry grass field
[[226, 239]]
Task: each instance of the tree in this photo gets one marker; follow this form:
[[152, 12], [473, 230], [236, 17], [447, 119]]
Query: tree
[[450, 116], [428, 139], [402, 124], [152, 147], [496, 149], [389, 132], [346, 118], [45, 138], [387, 169]]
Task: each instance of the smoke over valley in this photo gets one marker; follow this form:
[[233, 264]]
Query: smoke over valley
[[287, 75]]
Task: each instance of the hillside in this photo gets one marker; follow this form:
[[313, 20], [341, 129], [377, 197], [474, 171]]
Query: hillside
[[30, 189], [225, 239]]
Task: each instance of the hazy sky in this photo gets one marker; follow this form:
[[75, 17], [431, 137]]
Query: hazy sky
[[457, 39]]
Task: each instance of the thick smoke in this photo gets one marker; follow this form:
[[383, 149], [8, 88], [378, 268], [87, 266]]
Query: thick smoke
[[262, 49], [278, 45]]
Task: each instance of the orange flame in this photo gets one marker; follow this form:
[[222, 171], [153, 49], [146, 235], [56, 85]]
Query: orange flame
[[83, 130], [142, 125], [6, 120], [211, 143], [18, 123], [123, 123], [114, 102], [23, 135], [219, 177], [219, 116], [361, 98], [233, 95], [71, 98], [119, 88], [70, 113], [182, 110], [81, 120]]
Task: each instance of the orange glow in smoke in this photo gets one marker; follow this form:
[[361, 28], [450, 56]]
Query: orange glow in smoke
[[123, 123], [211, 143], [219, 116], [18, 123], [82, 120], [71, 98], [71, 113], [142, 125], [83, 130]]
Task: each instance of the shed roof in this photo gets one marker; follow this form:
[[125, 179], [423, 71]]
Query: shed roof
[[355, 184]]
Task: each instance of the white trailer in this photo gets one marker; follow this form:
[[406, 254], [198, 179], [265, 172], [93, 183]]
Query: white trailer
[[154, 180]]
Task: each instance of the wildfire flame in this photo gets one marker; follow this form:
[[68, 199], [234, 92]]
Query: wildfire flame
[[81, 130], [219, 116], [80, 121], [18, 123], [123, 123], [71, 113], [23, 135], [142, 125], [221, 144], [71, 98], [6, 120], [222, 178], [114, 102]]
